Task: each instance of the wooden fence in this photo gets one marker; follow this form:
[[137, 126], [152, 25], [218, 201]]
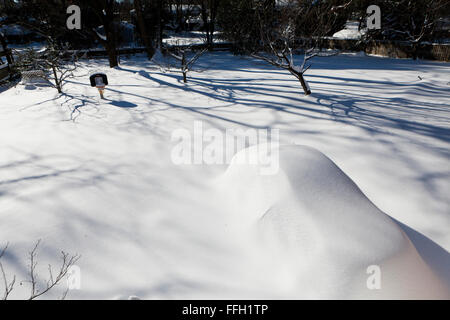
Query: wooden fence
[[393, 49]]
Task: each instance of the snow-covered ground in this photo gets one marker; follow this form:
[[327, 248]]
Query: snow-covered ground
[[97, 177], [351, 31], [190, 38]]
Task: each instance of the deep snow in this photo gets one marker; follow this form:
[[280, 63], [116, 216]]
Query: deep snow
[[95, 177], [319, 229]]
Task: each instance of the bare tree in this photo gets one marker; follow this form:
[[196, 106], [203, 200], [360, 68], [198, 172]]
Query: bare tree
[[60, 62], [186, 62], [56, 57], [53, 280], [279, 31], [284, 60]]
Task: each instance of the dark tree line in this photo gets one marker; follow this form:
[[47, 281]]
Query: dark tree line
[[249, 24], [405, 20], [151, 17]]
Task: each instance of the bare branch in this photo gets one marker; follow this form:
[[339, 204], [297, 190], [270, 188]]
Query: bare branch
[[67, 262], [8, 285]]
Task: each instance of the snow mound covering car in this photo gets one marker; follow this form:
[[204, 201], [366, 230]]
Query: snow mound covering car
[[317, 227], [351, 31]]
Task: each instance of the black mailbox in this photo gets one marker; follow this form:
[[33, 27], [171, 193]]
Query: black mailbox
[[104, 79]]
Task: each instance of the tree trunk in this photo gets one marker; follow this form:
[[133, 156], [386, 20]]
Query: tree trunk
[[184, 67], [112, 55], [204, 13], [160, 22], [107, 16], [143, 29], [213, 5], [57, 83], [304, 84], [111, 43], [180, 22], [415, 50]]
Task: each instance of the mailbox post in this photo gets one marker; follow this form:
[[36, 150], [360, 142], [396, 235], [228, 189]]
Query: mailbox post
[[100, 81]]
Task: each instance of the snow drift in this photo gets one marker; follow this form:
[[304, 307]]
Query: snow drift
[[316, 224]]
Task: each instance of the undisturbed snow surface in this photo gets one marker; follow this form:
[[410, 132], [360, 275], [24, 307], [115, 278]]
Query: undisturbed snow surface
[[96, 178], [321, 233]]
